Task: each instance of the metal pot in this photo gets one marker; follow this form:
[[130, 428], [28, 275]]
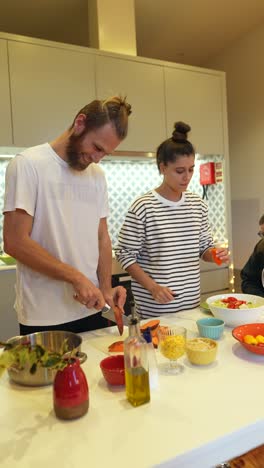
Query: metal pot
[[52, 341]]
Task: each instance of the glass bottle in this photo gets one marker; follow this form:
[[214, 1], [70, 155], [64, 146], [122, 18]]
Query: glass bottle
[[136, 365], [152, 361]]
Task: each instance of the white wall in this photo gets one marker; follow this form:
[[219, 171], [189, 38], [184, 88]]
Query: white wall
[[244, 67]]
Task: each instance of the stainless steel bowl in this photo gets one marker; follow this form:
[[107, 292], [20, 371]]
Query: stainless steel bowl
[[52, 341]]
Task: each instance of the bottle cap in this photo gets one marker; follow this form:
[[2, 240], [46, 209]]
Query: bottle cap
[[147, 335], [133, 318]]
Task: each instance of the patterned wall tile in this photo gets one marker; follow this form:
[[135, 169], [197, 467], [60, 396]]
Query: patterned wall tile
[[129, 179], [126, 181], [216, 198]]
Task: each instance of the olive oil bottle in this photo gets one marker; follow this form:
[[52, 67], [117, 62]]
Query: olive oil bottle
[[136, 365]]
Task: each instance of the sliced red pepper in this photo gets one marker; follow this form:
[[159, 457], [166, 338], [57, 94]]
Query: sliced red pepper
[[232, 299]]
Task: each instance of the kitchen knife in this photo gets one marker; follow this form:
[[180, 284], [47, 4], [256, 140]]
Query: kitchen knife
[[108, 313]]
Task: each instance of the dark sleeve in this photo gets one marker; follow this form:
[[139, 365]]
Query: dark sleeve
[[252, 271]]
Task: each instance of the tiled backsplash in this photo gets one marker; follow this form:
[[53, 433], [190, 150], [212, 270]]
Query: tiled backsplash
[[128, 179]]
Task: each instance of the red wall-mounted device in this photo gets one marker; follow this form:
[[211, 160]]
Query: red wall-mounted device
[[207, 173], [210, 173]]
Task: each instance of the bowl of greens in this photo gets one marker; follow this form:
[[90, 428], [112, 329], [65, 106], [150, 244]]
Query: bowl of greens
[[34, 359]]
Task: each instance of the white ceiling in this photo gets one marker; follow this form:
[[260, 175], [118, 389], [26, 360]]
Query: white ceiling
[[193, 31], [183, 31], [55, 20]]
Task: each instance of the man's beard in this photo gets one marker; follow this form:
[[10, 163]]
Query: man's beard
[[73, 153]]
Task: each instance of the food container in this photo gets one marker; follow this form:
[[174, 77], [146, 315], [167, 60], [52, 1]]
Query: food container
[[201, 351], [235, 317], [210, 327], [113, 369], [253, 329], [52, 341]]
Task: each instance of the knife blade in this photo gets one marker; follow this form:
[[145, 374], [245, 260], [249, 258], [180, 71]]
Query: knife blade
[[108, 313]]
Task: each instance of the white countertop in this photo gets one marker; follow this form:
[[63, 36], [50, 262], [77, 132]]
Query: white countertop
[[194, 420]]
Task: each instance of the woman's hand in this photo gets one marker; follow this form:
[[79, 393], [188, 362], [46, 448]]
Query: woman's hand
[[162, 294], [220, 255]]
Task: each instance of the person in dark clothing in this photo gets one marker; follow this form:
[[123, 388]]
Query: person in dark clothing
[[261, 227], [252, 275]]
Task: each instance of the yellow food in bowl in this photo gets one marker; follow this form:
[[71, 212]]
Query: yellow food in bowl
[[201, 351], [260, 338], [173, 347], [250, 339]]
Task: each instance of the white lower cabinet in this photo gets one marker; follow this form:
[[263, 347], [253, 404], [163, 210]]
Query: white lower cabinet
[[214, 281], [8, 319]]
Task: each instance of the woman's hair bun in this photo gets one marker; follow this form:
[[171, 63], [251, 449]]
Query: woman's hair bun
[[181, 131]]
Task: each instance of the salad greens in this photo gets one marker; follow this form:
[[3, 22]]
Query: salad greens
[[24, 354], [234, 303]]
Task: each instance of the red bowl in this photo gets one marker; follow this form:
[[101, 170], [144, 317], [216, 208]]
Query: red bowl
[[253, 329], [113, 369]]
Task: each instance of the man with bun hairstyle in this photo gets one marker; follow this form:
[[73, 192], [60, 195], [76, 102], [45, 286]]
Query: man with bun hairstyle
[[55, 223]]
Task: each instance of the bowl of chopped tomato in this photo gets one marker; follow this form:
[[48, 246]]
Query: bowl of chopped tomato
[[251, 337], [237, 309]]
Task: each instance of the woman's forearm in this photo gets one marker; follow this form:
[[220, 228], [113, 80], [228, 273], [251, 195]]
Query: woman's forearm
[[141, 277]]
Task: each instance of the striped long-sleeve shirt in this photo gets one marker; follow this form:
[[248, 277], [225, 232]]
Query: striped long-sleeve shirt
[[166, 239]]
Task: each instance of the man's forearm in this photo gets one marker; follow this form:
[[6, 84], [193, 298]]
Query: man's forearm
[[31, 254], [104, 270]]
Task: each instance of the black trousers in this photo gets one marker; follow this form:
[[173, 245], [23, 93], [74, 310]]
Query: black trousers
[[93, 322]]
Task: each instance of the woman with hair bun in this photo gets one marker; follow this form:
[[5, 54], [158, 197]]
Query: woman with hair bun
[[165, 233]]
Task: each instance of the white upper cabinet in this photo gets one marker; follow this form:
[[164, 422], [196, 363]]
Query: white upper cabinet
[[49, 86], [143, 84], [5, 107], [195, 97]]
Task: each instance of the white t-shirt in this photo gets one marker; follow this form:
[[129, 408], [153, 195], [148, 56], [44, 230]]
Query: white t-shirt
[[67, 206]]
